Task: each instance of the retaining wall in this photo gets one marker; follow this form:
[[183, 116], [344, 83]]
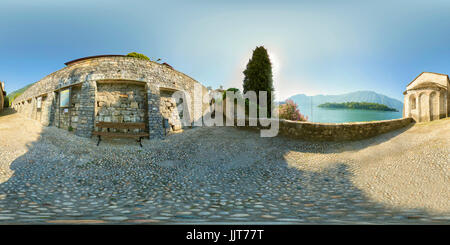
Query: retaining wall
[[337, 131]]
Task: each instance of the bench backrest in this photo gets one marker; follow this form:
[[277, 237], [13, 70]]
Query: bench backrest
[[120, 125]]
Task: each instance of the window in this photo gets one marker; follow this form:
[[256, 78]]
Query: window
[[38, 102], [64, 98]]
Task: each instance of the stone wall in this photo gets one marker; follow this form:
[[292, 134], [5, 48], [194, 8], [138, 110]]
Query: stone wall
[[47, 110], [121, 102], [88, 73], [74, 111], [65, 117], [2, 95], [338, 131], [169, 110]]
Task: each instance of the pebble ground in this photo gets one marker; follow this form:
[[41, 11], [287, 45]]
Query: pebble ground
[[220, 175]]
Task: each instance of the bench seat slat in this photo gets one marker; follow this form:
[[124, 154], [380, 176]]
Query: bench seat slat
[[120, 125], [118, 134]]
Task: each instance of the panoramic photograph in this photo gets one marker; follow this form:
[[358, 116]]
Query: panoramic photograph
[[212, 115]]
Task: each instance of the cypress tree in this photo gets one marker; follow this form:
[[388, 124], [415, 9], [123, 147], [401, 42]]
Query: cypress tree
[[258, 74]]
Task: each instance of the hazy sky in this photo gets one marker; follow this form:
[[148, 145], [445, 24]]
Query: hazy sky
[[317, 47]]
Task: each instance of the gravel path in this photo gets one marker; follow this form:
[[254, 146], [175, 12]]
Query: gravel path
[[223, 175]]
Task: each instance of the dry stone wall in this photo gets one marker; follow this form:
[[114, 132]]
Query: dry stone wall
[[169, 110], [75, 107], [89, 74], [338, 131], [121, 102]]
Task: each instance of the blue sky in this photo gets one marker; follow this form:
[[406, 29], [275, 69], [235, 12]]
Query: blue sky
[[317, 47]]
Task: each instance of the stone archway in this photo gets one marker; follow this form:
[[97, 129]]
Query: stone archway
[[412, 106], [434, 106], [442, 104], [423, 108]]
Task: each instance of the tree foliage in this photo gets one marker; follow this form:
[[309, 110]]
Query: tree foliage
[[290, 111], [235, 90], [258, 74], [6, 102], [138, 55]]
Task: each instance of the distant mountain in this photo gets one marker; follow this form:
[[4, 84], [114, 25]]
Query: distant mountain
[[305, 101]]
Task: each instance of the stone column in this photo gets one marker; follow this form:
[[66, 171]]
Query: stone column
[[33, 112], [406, 105], [154, 115], [442, 104], [418, 107], [87, 109], [425, 106], [46, 109], [447, 100]]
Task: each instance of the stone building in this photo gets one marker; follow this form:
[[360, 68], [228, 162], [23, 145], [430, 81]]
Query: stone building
[[110, 88], [427, 97], [2, 95]]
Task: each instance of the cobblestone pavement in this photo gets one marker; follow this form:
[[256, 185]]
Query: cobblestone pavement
[[204, 175]]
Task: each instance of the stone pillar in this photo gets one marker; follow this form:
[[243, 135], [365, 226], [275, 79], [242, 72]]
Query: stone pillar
[[30, 109], [424, 98], [87, 109], [33, 108], [418, 107], [47, 109], [434, 105], [447, 100], [155, 127], [442, 104], [406, 105]]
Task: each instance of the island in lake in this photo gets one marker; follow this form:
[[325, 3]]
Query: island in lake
[[357, 105]]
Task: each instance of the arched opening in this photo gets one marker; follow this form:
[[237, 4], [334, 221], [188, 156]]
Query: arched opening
[[412, 108], [434, 106], [423, 108], [442, 104]]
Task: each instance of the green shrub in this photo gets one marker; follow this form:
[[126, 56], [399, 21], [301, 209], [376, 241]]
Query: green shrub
[[138, 55], [235, 90], [70, 129], [6, 102]]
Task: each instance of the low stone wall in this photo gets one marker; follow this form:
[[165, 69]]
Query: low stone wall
[[338, 131]]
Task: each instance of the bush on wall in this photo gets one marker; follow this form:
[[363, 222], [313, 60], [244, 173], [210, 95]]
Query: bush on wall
[[138, 55], [290, 111]]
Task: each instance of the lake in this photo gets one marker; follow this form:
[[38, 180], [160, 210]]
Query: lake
[[327, 115]]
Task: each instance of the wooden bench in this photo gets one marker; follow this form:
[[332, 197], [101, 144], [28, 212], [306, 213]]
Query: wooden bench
[[109, 125]]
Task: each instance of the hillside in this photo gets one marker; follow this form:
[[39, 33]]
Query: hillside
[[304, 101], [11, 96]]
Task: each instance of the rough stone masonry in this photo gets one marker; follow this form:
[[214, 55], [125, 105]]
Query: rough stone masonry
[[109, 88]]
